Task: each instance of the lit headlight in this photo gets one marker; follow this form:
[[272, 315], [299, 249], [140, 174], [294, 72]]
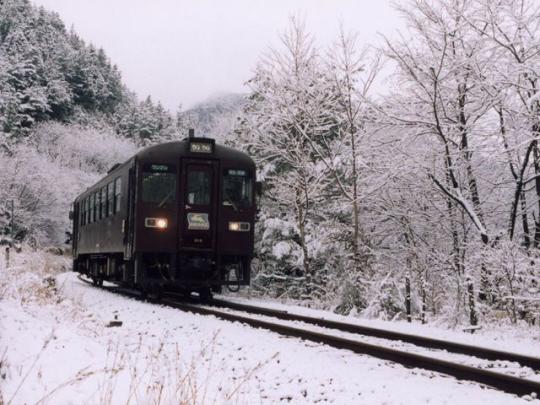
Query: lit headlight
[[239, 226], [160, 223]]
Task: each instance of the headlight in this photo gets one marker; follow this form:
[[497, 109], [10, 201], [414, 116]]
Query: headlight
[[239, 226], [160, 223]]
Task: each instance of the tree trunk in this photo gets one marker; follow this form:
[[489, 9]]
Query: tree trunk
[[519, 188], [536, 154], [424, 300], [301, 220], [456, 250], [408, 295], [356, 219], [525, 222]]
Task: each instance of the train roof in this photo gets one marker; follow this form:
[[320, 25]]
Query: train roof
[[176, 149], [171, 151]]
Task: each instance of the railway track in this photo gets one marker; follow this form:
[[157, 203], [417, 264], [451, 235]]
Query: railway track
[[503, 382], [422, 341]]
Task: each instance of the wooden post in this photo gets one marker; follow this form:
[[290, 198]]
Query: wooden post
[[7, 256], [424, 304], [12, 222], [472, 307]]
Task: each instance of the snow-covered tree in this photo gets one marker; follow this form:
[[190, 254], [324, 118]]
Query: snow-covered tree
[[44, 174], [290, 108]]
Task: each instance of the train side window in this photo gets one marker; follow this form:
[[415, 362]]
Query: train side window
[[82, 213], [117, 194], [237, 188], [103, 200], [198, 187], [87, 210], [98, 195], [110, 198], [159, 184], [96, 206], [91, 208]]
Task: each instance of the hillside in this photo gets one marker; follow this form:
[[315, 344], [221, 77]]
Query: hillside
[[65, 118], [48, 73], [215, 116]]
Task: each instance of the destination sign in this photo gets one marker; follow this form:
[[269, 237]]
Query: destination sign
[[160, 168], [236, 172], [200, 147]]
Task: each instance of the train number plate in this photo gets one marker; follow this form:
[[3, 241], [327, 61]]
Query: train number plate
[[198, 221]]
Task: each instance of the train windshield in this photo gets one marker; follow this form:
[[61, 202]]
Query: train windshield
[[198, 186], [237, 188], [159, 184]]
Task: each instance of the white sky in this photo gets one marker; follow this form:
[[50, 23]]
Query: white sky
[[184, 51]]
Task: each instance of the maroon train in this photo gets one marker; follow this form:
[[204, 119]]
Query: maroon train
[[179, 215]]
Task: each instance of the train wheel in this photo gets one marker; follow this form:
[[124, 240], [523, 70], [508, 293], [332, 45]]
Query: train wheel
[[97, 281], [186, 293], [205, 294], [158, 292], [233, 287], [143, 289]]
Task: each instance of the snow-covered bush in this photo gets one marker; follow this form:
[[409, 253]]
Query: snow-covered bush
[[511, 283], [86, 149], [29, 279], [43, 174]]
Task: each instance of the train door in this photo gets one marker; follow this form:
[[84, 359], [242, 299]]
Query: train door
[[75, 236], [199, 191], [129, 224]]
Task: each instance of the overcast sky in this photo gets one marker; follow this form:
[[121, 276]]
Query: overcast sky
[[185, 51]]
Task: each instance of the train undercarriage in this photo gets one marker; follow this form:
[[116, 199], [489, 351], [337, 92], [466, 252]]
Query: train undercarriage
[[155, 273]]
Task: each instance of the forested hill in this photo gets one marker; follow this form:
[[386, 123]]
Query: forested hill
[[65, 118], [50, 73], [216, 116]]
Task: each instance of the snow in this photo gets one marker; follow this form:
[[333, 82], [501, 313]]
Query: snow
[[506, 367], [281, 249], [457, 196], [58, 349], [519, 339]]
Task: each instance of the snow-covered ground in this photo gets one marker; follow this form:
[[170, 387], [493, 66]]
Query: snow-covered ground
[[506, 367], [523, 339], [56, 348]]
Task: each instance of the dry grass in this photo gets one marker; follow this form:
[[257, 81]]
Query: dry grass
[[153, 376], [30, 277], [3, 372], [152, 371], [30, 369]]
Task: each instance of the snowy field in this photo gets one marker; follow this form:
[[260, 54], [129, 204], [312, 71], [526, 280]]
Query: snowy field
[[56, 348]]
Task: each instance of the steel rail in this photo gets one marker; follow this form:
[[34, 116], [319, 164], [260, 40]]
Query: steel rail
[[502, 382], [423, 341], [499, 381]]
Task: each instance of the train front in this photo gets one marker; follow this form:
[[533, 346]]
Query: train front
[[194, 214]]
